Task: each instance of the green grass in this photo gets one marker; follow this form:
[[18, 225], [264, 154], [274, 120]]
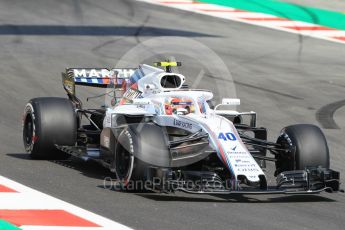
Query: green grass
[[7, 226], [286, 10]]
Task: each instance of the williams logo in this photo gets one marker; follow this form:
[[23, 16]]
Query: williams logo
[[183, 124]]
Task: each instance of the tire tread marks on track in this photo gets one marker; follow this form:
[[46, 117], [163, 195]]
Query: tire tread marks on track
[[268, 90], [325, 115]]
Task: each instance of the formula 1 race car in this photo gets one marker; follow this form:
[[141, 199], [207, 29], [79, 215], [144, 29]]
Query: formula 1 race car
[[160, 132]]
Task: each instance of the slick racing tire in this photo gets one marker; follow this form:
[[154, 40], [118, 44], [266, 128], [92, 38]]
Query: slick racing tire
[[129, 170], [49, 121], [307, 147]]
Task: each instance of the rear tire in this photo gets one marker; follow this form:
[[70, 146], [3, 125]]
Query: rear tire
[[307, 147], [49, 121]]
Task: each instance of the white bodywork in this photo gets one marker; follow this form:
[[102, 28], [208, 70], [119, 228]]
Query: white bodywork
[[223, 136]]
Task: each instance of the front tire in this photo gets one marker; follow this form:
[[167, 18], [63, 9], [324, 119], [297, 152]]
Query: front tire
[[129, 170], [307, 147], [49, 121]]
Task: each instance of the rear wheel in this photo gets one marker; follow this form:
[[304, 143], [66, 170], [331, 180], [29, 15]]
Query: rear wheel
[[306, 145], [49, 121]]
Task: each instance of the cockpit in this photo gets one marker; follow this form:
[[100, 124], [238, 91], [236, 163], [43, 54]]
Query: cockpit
[[183, 105], [179, 106]]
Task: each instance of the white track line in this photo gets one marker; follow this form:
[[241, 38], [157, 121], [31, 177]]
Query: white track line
[[63, 228], [28, 198]]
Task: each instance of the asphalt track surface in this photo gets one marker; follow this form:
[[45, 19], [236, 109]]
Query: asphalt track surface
[[284, 77]]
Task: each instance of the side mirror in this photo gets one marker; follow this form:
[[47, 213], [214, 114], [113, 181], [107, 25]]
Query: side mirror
[[228, 102]]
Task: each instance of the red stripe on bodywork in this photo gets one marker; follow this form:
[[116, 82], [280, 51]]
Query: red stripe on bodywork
[[44, 218], [3, 188], [219, 145], [308, 28], [221, 151]]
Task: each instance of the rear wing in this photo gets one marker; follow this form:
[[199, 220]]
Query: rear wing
[[96, 77]]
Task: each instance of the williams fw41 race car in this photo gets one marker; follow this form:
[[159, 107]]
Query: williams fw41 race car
[[158, 132]]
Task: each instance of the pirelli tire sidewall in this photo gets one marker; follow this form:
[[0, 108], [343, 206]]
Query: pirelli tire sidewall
[[29, 127], [308, 148], [131, 169], [49, 121]]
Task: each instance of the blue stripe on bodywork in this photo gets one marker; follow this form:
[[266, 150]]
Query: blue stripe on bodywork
[[218, 150]]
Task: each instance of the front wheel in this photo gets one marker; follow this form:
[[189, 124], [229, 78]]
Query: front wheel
[[129, 170], [306, 145]]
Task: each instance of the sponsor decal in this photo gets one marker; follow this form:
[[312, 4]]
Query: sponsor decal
[[236, 153], [131, 147], [239, 157], [247, 170], [182, 103], [227, 137], [102, 73], [245, 165], [131, 94], [245, 161], [183, 124]]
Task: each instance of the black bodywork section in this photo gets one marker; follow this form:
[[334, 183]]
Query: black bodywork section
[[153, 146]]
